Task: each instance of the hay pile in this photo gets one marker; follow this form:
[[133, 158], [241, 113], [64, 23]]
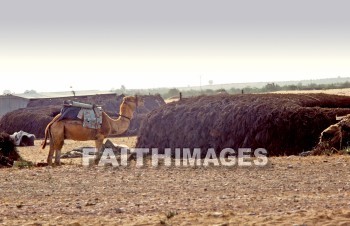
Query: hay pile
[[31, 120], [334, 139], [8, 152], [34, 118], [283, 124]]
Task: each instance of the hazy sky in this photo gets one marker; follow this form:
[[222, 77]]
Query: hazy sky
[[52, 45]]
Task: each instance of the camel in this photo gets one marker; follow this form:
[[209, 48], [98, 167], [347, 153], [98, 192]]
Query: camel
[[58, 131]]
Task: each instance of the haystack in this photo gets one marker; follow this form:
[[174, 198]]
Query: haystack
[[31, 120], [34, 118], [283, 124], [8, 152], [335, 138]]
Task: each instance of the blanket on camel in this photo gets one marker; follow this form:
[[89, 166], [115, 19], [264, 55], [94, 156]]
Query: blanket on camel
[[90, 114]]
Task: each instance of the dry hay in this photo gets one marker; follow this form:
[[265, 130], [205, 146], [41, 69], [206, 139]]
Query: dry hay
[[8, 152], [283, 124], [39, 113], [31, 120], [335, 138]]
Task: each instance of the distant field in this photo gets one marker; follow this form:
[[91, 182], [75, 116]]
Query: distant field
[[344, 92]]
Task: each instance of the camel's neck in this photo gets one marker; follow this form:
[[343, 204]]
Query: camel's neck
[[121, 124]]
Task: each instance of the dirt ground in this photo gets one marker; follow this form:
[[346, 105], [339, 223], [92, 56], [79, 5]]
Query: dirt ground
[[289, 191]]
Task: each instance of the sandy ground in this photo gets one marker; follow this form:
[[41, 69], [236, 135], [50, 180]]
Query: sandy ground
[[289, 191]]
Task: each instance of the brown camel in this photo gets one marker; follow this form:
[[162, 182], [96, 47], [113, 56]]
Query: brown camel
[[58, 131]]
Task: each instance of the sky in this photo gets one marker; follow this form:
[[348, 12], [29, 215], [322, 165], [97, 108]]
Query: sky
[[100, 45]]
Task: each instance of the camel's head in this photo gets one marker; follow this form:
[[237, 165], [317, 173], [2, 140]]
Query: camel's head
[[134, 101], [337, 135]]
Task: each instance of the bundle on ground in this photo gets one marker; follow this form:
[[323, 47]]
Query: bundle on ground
[[335, 138], [283, 124]]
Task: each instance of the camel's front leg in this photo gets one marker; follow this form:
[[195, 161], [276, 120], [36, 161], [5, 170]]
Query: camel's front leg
[[99, 146]]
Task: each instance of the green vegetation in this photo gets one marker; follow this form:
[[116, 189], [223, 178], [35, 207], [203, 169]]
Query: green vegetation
[[269, 87]]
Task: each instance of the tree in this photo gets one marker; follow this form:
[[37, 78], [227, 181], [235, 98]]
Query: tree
[[221, 90], [171, 93], [30, 91], [7, 92], [271, 87]]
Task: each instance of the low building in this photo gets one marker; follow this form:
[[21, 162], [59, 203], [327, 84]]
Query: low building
[[11, 102]]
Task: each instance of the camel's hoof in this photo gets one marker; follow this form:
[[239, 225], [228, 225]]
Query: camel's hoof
[[42, 164]]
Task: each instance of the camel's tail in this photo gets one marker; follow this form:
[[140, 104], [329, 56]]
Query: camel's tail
[[43, 145], [47, 130]]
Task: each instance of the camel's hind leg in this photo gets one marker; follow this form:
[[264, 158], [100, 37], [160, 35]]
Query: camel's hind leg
[[56, 143], [55, 148], [58, 155], [51, 151]]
